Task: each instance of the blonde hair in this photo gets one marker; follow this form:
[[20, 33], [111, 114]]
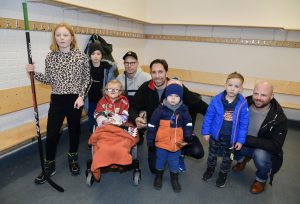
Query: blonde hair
[[114, 81], [54, 47], [235, 75]]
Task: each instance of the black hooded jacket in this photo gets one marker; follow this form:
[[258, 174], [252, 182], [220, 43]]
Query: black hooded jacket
[[271, 135]]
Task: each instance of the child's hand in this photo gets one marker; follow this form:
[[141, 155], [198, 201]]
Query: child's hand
[[107, 122], [181, 144], [79, 102], [238, 146], [30, 67], [206, 137]]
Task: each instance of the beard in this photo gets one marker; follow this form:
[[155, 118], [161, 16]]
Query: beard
[[263, 104], [160, 83]]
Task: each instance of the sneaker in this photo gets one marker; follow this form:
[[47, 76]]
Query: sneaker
[[221, 180], [73, 164], [182, 167], [208, 174], [49, 171]]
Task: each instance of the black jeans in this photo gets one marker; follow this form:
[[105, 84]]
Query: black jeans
[[62, 106], [219, 148]]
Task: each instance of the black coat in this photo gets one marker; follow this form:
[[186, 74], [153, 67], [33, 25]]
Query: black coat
[[271, 135]]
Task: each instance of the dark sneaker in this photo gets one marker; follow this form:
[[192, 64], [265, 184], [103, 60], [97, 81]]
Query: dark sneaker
[[73, 164], [221, 180], [208, 174], [49, 171]]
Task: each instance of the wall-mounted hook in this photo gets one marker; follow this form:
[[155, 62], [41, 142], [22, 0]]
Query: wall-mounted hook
[[17, 24], [42, 26], [7, 24], [49, 27]]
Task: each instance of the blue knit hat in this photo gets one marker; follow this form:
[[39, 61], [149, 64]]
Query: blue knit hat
[[174, 89]]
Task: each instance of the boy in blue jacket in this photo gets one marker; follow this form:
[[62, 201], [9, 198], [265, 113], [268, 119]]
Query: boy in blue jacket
[[170, 123], [225, 126]]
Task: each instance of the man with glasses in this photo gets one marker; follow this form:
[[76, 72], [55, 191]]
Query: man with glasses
[[133, 77]]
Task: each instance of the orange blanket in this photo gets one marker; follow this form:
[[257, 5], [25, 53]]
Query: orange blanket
[[111, 145]]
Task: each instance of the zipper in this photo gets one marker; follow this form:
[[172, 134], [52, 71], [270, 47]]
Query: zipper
[[237, 119]]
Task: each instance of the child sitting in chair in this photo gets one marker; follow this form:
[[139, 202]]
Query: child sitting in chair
[[114, 136], [113, 107]]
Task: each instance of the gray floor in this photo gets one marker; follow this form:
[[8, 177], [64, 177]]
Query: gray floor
[[17, 173]]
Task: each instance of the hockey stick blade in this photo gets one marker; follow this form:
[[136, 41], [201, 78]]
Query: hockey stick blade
[[54, 185]]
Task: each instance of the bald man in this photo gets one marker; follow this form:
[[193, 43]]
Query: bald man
[[266, 135]]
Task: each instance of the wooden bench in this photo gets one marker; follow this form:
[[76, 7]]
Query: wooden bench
[[217, 79], [16, 99]]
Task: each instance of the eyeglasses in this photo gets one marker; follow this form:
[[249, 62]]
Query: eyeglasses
[[129, 63], [112, 90]]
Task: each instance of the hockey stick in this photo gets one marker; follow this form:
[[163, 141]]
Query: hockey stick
[[36, 113], [126, 91]]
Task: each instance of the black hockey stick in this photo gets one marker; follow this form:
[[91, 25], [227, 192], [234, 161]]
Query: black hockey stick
[[36, 113]]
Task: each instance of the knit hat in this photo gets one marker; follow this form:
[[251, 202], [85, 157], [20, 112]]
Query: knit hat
[[95, 46], [174, 89]]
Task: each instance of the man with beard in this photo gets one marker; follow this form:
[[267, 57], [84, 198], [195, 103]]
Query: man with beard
[[266, 135], [148, 98]]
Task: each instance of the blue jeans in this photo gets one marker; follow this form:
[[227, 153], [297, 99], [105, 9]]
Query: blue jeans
[[261, 158], [163, 156]]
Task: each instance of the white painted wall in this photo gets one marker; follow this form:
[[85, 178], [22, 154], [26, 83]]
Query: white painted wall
[[134, 9], [260, 13]]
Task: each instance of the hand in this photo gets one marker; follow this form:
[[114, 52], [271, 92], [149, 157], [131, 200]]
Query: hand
[[206, 137], [30, 67], [140, 122], [181, 144], [79, 102], [107, 122], [238, 146], [174, 81]]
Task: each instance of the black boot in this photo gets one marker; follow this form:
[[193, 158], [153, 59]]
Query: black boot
[[221, 180], [208, 173], [73, 164], [174, 181], [49, 171], [158, 179]]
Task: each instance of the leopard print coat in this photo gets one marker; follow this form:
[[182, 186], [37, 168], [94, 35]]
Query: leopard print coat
[[67, 73]]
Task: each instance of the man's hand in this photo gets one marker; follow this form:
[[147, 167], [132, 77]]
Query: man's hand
[[140, 122], [206, 137]]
